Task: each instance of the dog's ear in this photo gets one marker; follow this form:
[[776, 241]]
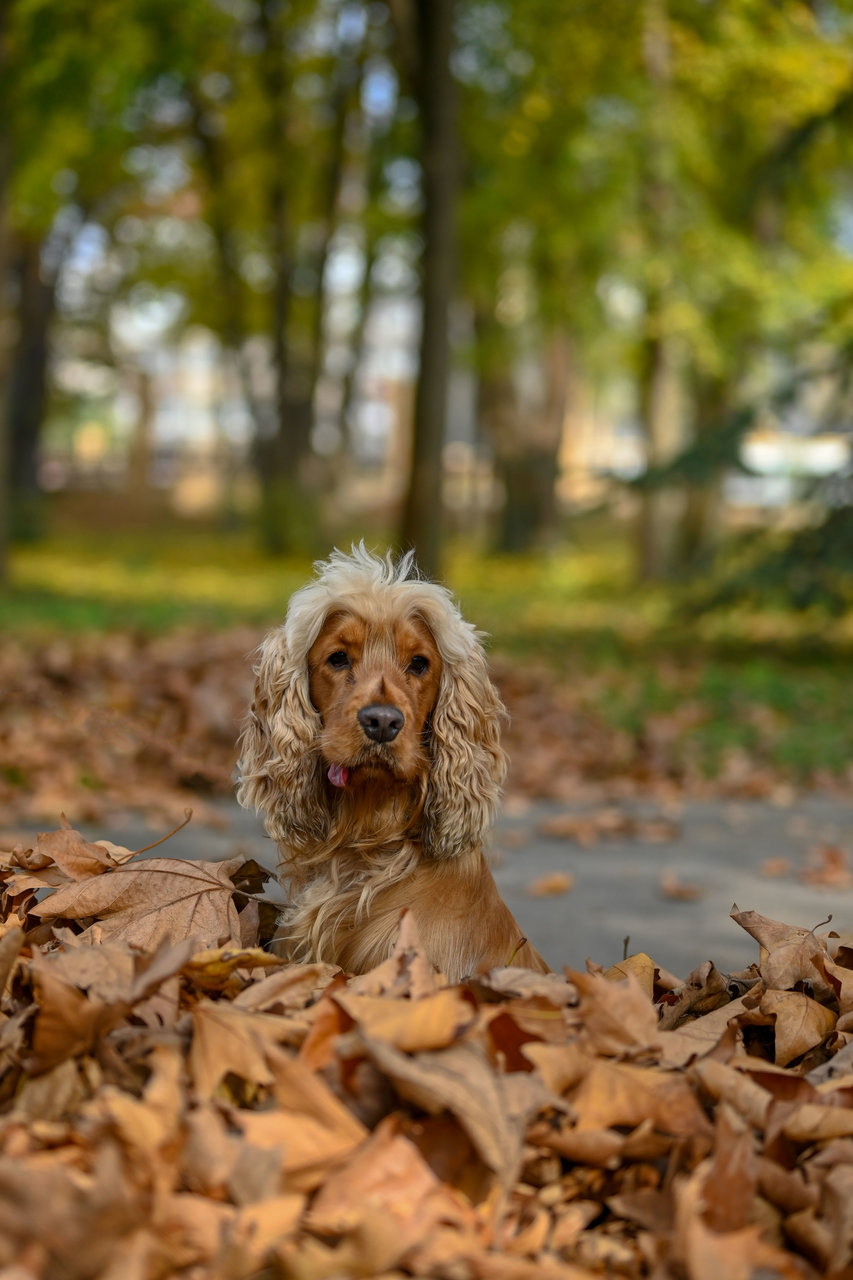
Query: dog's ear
[[279, 763], [468, 764]]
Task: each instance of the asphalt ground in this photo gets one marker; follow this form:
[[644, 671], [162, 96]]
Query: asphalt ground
[[669, 897]]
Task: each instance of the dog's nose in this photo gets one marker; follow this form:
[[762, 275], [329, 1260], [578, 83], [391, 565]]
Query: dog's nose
[[381, 722]]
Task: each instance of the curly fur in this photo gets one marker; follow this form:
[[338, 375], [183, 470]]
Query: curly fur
[[411, 834]]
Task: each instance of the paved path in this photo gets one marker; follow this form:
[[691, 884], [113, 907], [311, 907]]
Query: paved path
[[618, 885]]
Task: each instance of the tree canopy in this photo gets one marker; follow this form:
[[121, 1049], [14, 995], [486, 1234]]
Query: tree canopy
[[652, 212]]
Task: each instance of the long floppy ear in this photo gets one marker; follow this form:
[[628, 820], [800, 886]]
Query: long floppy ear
[[468, 764], [280, 766]]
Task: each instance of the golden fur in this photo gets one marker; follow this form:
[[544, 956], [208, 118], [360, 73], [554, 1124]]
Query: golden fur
[[372, 750]]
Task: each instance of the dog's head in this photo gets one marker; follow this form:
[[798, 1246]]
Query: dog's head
[[373, 681]]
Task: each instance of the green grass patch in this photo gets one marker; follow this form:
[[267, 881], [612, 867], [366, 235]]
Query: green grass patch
[[152, 583]]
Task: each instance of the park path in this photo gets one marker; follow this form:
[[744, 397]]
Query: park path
[[670, 897]]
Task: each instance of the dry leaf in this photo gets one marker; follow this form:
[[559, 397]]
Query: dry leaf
[[801, 1023], [433, 1022], [151, 901], [640, 966], [493, 1110], [672, 887], [229, 1040], [773, 867], [619, 1018], [551, 885], [828, 866]]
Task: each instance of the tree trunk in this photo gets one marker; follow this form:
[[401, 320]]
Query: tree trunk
[[660, 508], [347, 81], [278, 454], [5, 262], [141, 450], [659, 374], [436, 92], [376, 155], [529, 459], [214, 164], [703, 497], [27, 388]]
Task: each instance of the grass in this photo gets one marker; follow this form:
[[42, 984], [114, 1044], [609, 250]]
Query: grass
[[774, 686], [152, 584]]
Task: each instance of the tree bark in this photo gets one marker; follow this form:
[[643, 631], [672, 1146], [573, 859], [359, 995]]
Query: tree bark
[[712, 397], [5, 260], [347, 80], [528, 451], [422, 524], [214, 164], [27, 388], [660, 508], [659, 409]]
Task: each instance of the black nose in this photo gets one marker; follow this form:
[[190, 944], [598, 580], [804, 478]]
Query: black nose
[[381, 722]]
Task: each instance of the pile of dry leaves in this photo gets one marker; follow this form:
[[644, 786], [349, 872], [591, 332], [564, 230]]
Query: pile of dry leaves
[[176, 1101], [105, 725], [100, 726]]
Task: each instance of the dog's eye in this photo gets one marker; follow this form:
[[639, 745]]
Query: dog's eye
[[338, 660], [419, 664]]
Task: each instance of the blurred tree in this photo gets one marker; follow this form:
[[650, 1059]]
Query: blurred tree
[[544, 210], [5, 301], [751, 253], [71, 83], [427, 42], [635, 208], [652, 196], [277, 130]]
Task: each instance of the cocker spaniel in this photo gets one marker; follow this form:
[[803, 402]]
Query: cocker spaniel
[[372, 750]]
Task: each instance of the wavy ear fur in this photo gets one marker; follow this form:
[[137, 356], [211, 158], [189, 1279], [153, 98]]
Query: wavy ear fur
[[468, 764], [280, 766]]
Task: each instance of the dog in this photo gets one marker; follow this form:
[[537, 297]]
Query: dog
[[372, 751]]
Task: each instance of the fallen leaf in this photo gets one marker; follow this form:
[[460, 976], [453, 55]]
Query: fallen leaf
[[433, 1022], [389, 1181], [731, 1181], [828, 866], [708, 1255], [640, 966], [618, 1017], [493, 1110], [551, 885], [68, 1021], [801, 1023], [229, 1040], [73, 854], [152, 901], [310, 1130], [791, 952], [677, 890], [772, 867]]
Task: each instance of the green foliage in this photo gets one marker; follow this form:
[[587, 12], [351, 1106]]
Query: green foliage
[[809, 568], [636, 173]]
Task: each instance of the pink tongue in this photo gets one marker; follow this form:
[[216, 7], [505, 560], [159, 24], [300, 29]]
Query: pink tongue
[[338, 775]]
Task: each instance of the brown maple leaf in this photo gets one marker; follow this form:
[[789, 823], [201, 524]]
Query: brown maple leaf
[[153, 900]]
